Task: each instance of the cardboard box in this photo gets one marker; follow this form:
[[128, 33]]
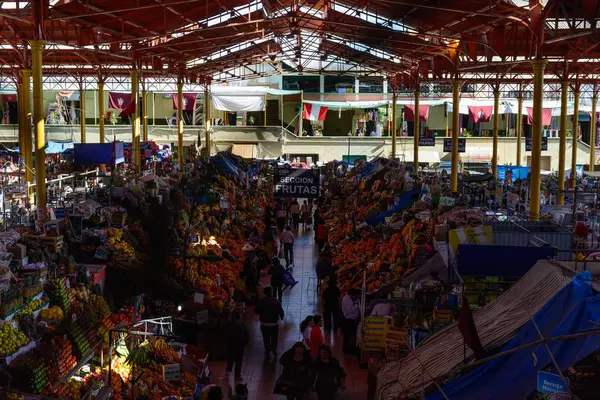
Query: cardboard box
[[18, 250], [441, 233]]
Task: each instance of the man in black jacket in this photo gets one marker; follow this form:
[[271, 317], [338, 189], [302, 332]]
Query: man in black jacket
[[270, 311], [237, 339]]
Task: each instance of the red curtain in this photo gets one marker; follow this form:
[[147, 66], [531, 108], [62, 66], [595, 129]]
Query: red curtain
[[546, 116], [118, 101], [480, 113], [409, 113], [189, 101]]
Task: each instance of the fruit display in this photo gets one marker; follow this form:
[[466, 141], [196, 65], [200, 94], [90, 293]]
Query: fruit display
[[80, 342], [30, 307], [54, 314], [61, 358], [10, 300], [57, 292], [11, 339]]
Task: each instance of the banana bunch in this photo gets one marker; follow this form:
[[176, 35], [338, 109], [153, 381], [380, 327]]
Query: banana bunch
[[138, 357], [160, 344]]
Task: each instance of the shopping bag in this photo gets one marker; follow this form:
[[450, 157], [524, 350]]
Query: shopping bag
[[283, 385], [288, 280]]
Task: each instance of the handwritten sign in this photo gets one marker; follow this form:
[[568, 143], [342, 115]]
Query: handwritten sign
[[374, 339], [171, 372]]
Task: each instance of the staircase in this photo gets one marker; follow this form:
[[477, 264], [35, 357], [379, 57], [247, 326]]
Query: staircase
[[273, 113]]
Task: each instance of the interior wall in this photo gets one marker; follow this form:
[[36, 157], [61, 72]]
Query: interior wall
[[336, 125]]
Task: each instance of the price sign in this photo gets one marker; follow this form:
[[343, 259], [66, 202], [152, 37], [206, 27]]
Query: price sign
[[426, 141], [544, 144], [171, 372]]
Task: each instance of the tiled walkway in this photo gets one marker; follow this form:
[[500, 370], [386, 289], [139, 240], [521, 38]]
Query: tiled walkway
[[301, 301]]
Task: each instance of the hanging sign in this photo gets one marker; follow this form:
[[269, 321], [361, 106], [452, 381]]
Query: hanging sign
[[297, 182], [375, 334], [462, 145], [544, 144], [551, 383], [427, 141]]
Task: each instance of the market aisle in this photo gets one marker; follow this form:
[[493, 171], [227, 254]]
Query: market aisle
[[301, 301]]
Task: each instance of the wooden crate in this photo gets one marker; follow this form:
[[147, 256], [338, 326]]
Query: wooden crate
[[52, 243], [442, 316]]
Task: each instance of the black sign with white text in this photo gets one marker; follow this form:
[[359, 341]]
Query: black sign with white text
[[462, 145], [296, 182], [427, 141], [544, 143]]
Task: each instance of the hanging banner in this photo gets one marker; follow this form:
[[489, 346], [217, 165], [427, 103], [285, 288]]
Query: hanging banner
[[546, 116], [409, 113], [478, 235], [238, 103], [462, 145], [544, 143], [296, 182], [189, 101], [118, 101], [9, 98], [427, 141]]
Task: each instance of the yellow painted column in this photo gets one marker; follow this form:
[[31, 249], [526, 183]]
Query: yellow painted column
[[180, 126], [455, 129], [593, 131], [37, 46], [394, 100], [417, 131], [536, 138], [207, 120], [21, 108], [562, 146], [495, 138], [574, 142], [82, 115], [27, 144], [135, 122], [519, 128], [101, 110], [145, 116]]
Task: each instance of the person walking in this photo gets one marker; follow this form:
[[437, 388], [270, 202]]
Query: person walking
[[331, 305], [330, 374], [237, 339], [295, 214], [320, 229], [305, 215], [351, 313], [276, 272], [281, 217], [298, 373], [316, 336], [270, 312], [287, 241], [305, 328]]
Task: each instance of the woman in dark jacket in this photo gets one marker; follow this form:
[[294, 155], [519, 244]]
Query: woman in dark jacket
[[298, 373], [330, 375]]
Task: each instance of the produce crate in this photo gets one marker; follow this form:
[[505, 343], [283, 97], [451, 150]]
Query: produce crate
[[53, 243], [118, 218], [42, 271]]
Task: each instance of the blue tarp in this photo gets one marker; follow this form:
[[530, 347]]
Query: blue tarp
[[98, 153], [59, 148], [502, 261], [406, 200], [228, 165], [514, 376]]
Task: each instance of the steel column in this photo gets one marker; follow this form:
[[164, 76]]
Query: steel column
[[145, 115], [536, 139], [135, 121], [455, 128], [575, 140], [82, 115], [394, 100], [593, 129], [562, 147], [207, 120], [519, 128], [21, 108], [417, 131], [180, 125], [495, 138], [27, 143], [101, 109], [37, 46]]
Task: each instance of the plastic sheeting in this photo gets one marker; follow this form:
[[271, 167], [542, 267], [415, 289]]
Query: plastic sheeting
[[406, 200], [568, 312], [238, 103], [58, 147], [98, 153]]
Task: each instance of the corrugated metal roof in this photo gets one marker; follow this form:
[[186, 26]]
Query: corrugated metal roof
[[496, 324]]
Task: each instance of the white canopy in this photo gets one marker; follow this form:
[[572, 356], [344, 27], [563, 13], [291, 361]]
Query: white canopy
[[244, 98]]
